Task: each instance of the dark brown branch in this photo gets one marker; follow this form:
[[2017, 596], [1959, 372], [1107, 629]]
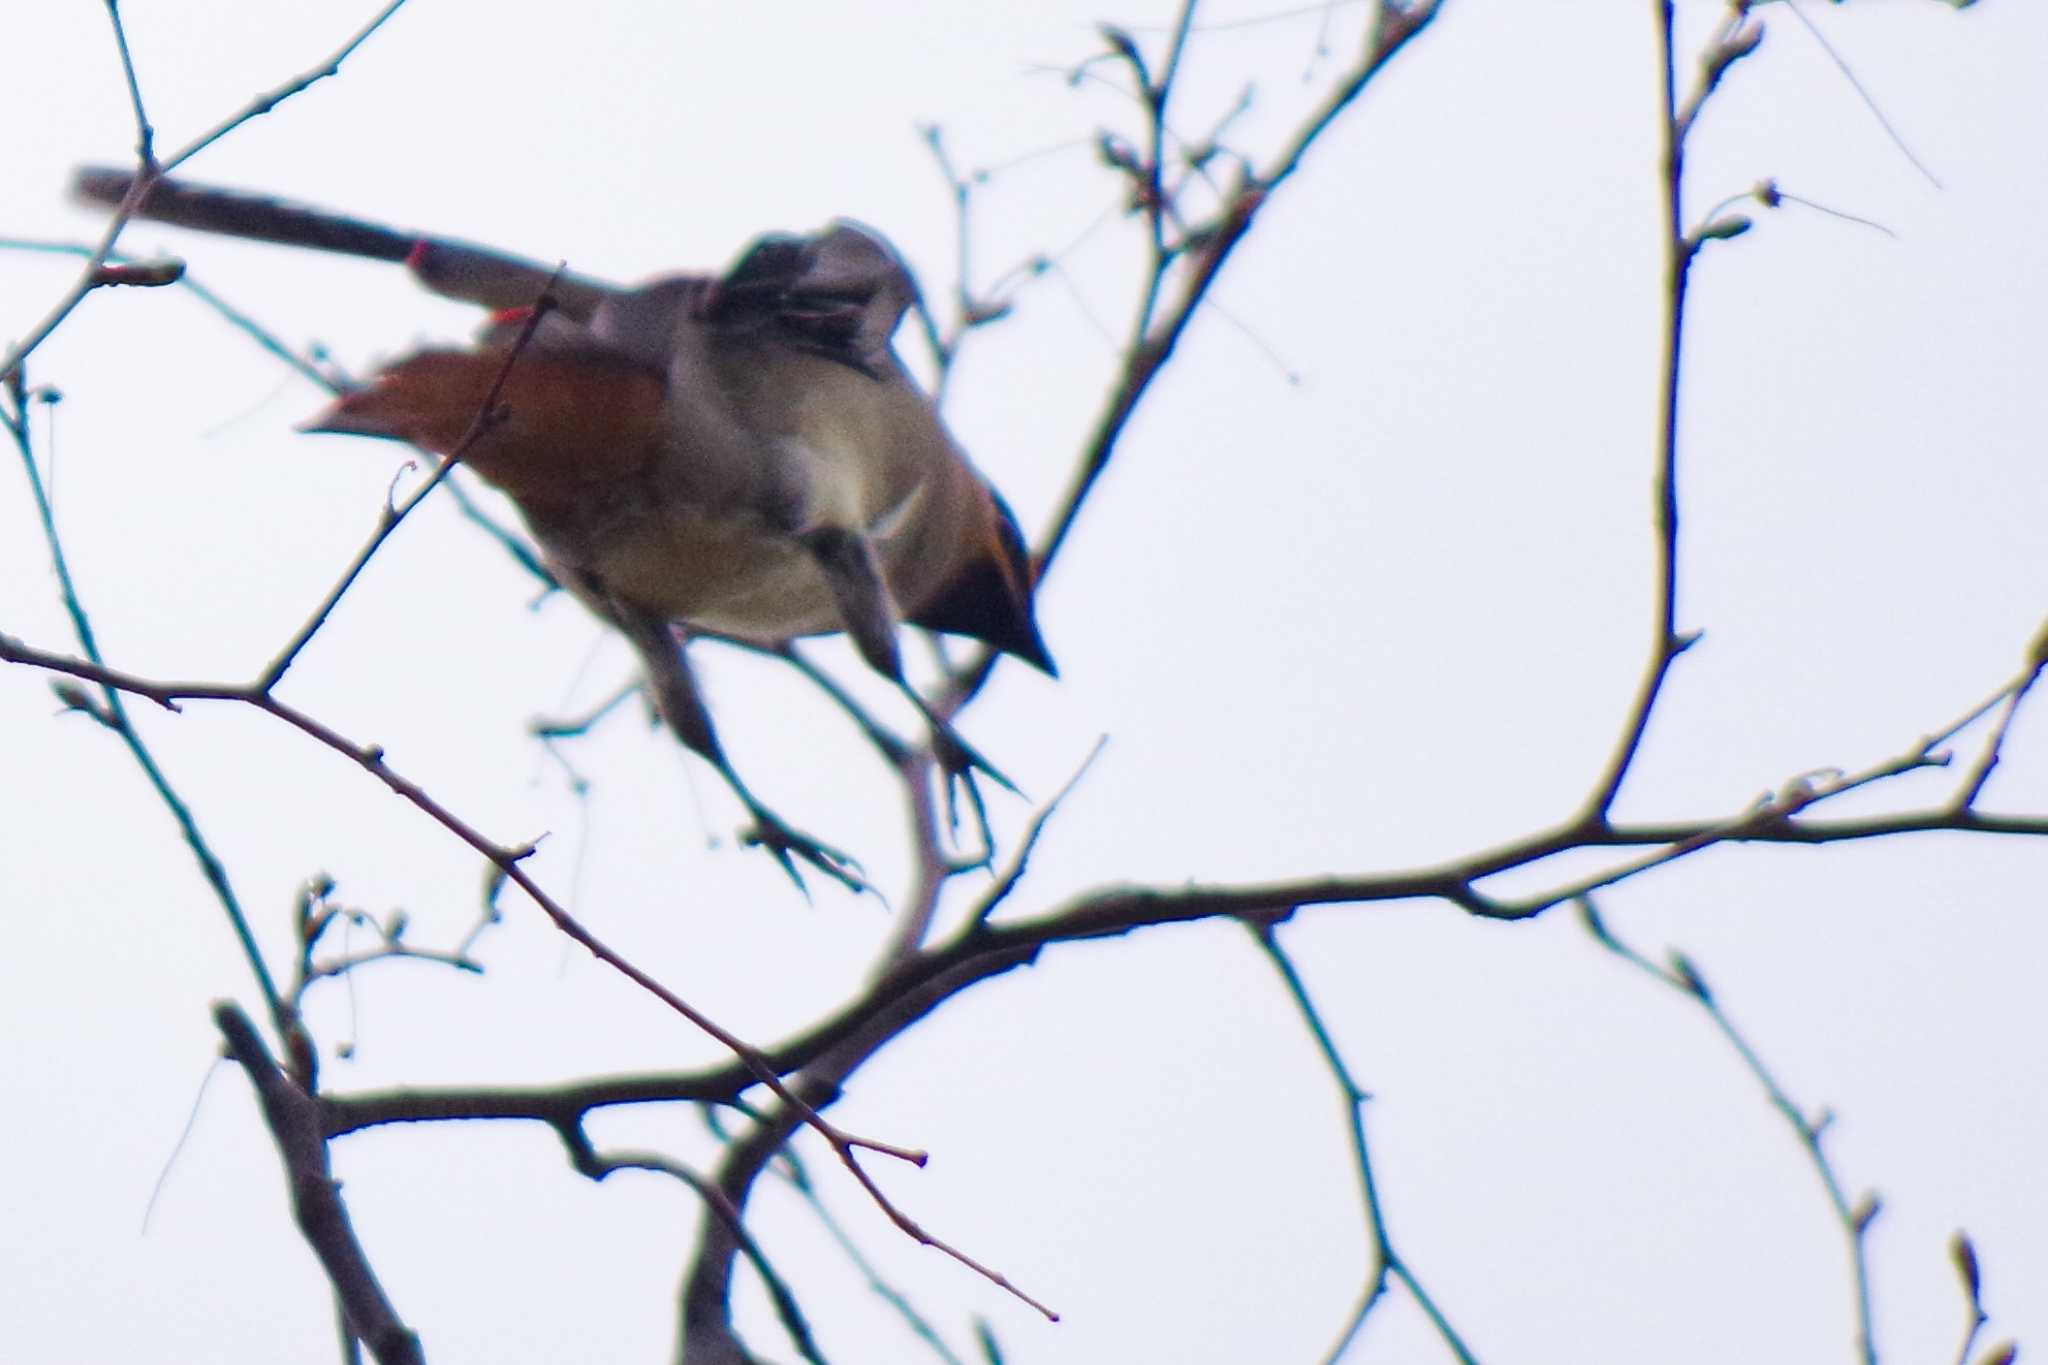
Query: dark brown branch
[[598, 1166], [707, 1287], [507, 859], [1779, 818], [905, 990], [560, 1106], [790, 1167], [294, 1120], [1679, 251]]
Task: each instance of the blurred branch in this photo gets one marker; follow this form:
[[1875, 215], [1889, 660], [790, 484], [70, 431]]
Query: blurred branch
[[509, 540], [1683, 976], [1869, 102], [892, 747], [1155, 335], [294, 1120], [969, 311], [507, 859], [598, 1166], [886, 1012], [1967, 1270], [2015, 693], [489, 415], [309, 368], [1195, 262], [791, 1169], [829, 1053], [314, 913], [262, 104], [149, 171], [924, 979], [260, 694], [111, 711], [571, 727], [1964, 1255], [1006, 881], [234, 316], [1187, 252]]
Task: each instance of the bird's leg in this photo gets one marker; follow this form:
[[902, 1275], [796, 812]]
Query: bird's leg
[[848, 563], [682, 706]]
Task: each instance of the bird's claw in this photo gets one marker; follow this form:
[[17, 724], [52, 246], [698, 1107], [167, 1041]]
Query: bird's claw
[[787, 845], [958, 764], [961, 760]]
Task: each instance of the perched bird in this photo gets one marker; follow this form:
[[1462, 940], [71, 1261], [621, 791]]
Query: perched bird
[[741, 454]]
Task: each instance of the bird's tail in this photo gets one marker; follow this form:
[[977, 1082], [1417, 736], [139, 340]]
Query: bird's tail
[[455, 269]]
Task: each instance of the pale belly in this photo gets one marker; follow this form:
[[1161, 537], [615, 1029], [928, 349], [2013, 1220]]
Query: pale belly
[[732, 576]]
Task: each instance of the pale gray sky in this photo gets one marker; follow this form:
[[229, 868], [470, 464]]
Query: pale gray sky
[[1386, 615]]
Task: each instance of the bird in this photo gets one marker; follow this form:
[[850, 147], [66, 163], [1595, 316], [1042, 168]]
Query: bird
[[740, 454]]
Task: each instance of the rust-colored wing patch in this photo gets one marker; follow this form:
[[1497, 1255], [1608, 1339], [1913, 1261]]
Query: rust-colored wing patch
[[564, 422]]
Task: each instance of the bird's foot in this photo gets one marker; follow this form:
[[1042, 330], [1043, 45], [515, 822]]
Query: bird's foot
[[958, 762], [788, 844]]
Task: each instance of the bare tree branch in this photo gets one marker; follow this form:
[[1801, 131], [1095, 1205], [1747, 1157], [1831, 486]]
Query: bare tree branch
[[90, 278], [1383, 1261], [1683, 976], [294, 1120]]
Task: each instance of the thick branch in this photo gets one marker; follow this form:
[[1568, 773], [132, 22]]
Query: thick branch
[[294, 1120]]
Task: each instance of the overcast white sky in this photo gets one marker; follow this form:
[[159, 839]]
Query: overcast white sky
[[1386, 614]]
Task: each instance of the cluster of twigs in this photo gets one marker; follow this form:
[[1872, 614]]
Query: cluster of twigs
[[1196, 202]]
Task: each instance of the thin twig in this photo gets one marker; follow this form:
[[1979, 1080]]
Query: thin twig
[[1384, 1261], [791, 1168], [589, 1161], [570, 727], [241, 321], [1679, 251], [372, 760], [1971, 1274], [145, 135], [1862, 94], [488, 416], [262, 104], [1151, 349], [1987, 761], [112, 712], [1684, 976], [90, 276], [1006, 881]]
